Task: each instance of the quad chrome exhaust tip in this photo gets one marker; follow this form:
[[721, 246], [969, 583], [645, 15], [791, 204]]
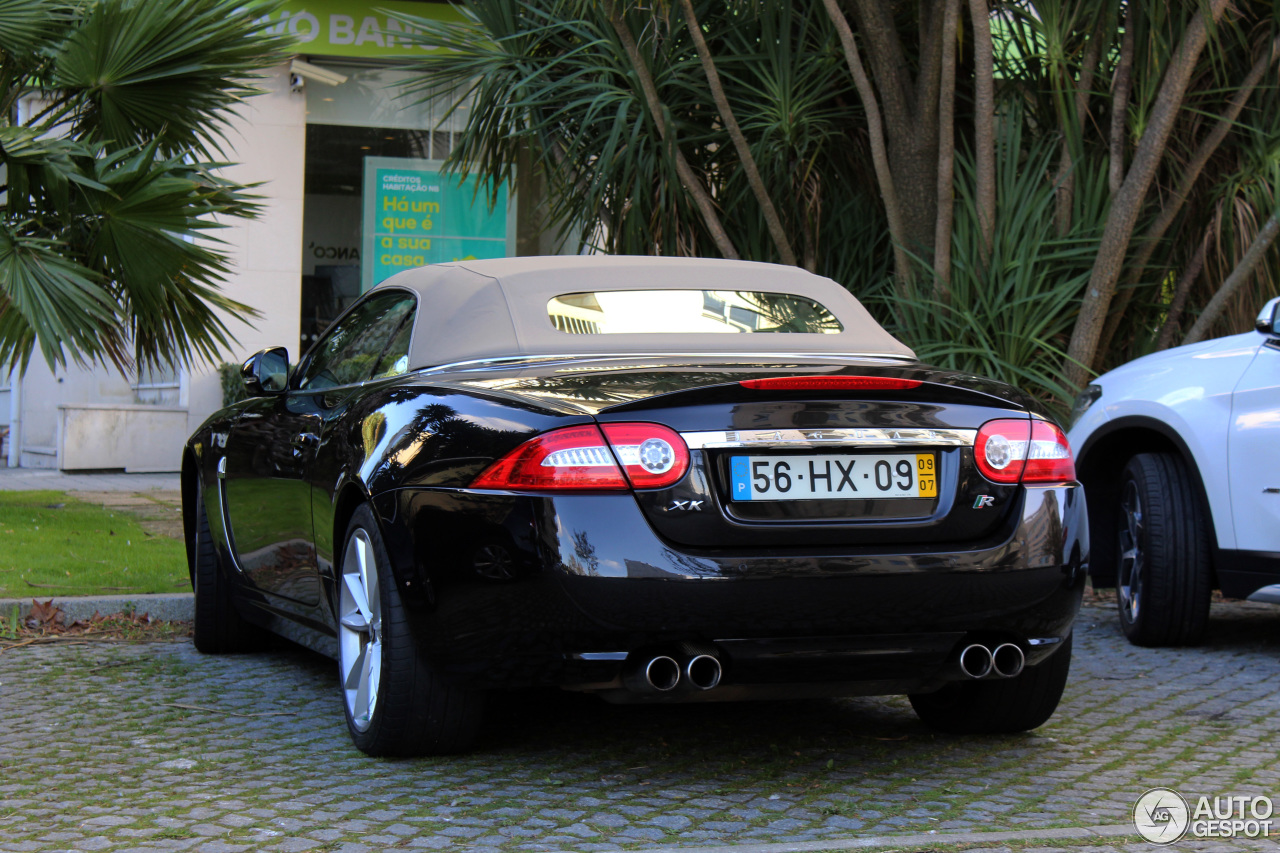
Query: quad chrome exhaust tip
[[661, 673], [1008, 660], [703, 671], [1005, 661], [976, 661]]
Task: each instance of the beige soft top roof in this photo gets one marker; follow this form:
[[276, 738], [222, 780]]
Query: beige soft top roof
[[471, 310]]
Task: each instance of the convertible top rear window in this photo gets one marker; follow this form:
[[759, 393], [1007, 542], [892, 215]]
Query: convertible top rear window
[[607, 312], [590, 304]]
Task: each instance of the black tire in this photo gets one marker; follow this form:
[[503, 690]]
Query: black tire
[[1163, 575], [998, 706], [219, 628], [414, 710]]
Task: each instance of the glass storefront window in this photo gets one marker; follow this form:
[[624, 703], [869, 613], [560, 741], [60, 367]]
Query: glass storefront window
[[363, 117]]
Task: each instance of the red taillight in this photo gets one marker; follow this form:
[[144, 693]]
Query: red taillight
[[653, 456], [569, 458], [830, 383], [582, 458], [1050, 458], [1027, 451]]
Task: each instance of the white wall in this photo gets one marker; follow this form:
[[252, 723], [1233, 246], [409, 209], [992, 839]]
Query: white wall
[[269, 139], [44, 390]]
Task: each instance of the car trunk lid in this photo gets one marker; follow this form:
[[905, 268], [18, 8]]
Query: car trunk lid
[[846, 468]]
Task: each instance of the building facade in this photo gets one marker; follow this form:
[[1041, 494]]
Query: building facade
[[348, 163]]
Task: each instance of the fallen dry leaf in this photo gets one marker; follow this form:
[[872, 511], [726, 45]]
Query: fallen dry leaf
[[43, 615]]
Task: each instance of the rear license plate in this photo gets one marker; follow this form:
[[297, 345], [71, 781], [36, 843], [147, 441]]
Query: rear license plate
[[828, 476]]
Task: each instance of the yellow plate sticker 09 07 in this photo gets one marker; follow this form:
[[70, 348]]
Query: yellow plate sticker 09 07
[[926, 475]]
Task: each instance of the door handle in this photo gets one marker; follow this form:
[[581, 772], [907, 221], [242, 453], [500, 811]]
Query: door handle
[[305, 440]]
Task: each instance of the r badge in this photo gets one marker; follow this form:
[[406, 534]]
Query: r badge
[[984, 501]]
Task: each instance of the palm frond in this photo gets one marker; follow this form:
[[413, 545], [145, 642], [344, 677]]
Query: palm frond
[[135, 70], [49, 300], [106, 253], [1010, 319]]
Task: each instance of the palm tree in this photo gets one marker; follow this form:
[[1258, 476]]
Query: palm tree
[[1032, 189], [111, 189]]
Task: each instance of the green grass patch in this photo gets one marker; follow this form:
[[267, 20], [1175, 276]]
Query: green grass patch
[[51, 544]]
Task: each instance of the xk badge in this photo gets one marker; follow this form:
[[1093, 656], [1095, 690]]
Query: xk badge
[[686, 506]]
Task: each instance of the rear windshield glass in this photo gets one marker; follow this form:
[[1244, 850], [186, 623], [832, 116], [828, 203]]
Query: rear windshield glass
[[613, 312]]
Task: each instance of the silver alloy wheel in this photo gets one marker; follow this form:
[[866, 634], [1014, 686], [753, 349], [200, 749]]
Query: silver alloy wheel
[[360, 630], [1132, 561]]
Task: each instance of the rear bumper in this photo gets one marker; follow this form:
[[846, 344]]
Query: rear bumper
[[511, 590]]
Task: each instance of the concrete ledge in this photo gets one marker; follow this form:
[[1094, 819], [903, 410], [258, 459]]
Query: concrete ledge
[[135, 438], [172, 607]]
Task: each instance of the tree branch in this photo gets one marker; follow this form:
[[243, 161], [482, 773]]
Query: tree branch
[[946, 153], [1180, 292], [771, 217], [1257, 251], [1120, 101], [690, 180], [1190, 175], [1065, 180], [984, 125], [1127, 204], [875, 133]]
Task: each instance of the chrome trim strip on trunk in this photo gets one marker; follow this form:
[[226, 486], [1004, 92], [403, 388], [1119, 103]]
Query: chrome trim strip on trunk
[[752, 358], [830, 438]]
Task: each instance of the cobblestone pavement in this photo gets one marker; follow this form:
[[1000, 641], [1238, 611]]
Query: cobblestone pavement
[[122, 747]]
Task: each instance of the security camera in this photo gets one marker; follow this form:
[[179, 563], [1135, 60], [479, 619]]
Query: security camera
[[295, 82], [299, 68]]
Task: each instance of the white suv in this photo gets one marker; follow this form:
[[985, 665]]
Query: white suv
[[1179, 453]]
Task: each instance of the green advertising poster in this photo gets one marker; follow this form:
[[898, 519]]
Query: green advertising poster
[[414, 216], [353, 28]]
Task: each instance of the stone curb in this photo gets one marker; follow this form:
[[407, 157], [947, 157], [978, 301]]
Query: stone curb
[[171, 607], [892, 842]]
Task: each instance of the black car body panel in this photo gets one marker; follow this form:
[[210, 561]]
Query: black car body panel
[[590, 578]]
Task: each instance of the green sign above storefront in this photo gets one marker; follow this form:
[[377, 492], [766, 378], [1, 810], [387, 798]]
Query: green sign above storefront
[[414, 216], [353, 28]]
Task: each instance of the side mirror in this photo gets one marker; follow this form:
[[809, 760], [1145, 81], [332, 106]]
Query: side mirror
[[1269, 317], [267, 372]]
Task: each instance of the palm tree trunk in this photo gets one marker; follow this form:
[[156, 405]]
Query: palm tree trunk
[[1257, 251], [692, 184], [879, 152], [771, 217], [946, 154], [1123, 85], [984, 121], [1127, 204]]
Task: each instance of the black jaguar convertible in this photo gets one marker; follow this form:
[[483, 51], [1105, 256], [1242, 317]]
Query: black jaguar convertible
[[652, 479]]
